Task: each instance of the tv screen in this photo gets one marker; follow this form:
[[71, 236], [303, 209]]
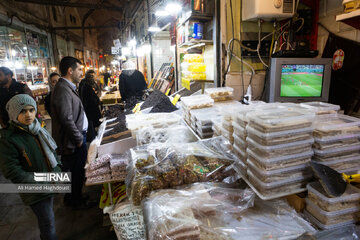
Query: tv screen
[[301, 80]]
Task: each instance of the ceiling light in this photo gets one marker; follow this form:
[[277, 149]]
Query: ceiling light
[[161, 13], [173, 8]]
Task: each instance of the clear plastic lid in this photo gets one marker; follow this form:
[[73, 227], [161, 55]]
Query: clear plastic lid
[[331, 151], [222, 91], [271, 135], [239, 130], [204, 134], [316, 222], [336, 138], [270, 173], [339, 160], [351, 194], [320, 107], [240, 151], [332, 214], [280, 116], [225, 132], [276, 184], [197, 101], [279, 146], [276, 160], [239, 141], [340, 122]]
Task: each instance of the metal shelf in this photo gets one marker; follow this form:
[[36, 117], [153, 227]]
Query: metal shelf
[[351, 18]]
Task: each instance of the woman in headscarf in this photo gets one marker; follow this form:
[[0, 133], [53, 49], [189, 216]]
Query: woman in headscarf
[[131, 82], [25, 148], [88, 91]]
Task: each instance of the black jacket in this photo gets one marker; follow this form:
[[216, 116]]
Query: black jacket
[[91, 102], [67, 117], [48, 103], [131, 83], [6, 94]]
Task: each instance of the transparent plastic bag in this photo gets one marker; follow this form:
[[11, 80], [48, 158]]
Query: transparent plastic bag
[[134, 122], [191, 211], [179, 134], [351, 232], [161, 166]]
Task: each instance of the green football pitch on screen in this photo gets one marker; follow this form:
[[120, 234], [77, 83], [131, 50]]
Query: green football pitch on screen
[[301, 82]]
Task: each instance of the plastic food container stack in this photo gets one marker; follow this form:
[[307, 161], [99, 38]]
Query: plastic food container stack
[[279, 147], [337, 142], [194, 102], [201, 120], [327, 212], [220, 94], [321, 109]]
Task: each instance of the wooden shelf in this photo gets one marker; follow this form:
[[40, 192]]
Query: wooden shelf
[[195, 42], [351, 18], [198, 17]]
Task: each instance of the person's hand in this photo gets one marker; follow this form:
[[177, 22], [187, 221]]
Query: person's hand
[[79, 145]]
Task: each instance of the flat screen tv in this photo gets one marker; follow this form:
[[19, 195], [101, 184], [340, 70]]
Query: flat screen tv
[[299, 79]]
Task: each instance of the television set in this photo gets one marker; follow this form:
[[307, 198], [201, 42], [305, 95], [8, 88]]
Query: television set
[[298, 79]]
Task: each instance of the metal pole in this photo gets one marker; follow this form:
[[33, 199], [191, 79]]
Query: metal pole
[[150, 41], [217, 44]]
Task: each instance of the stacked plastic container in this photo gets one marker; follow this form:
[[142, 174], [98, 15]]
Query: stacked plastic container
[[327, 212], [279, 151], [337, 143], [193, 67], [220, 94], [201, 121], [321, 108], [194, 102]]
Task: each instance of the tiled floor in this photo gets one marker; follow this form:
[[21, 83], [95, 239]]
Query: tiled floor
[[17, 221]]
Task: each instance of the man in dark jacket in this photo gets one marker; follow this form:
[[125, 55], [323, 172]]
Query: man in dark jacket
[[9, 87], [53, 79], [69, 126], [88, 94], [131, 82]]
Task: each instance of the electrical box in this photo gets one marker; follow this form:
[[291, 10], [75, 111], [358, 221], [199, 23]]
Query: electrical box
[[267, 9]]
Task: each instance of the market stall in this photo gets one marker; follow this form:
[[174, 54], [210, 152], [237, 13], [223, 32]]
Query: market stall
[[194, 173]]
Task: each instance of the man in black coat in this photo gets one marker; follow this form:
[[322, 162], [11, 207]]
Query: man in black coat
[[131, 82], [9, 87], [88, 93]]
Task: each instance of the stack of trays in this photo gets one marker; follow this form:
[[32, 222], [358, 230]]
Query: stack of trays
[[194, 102], [321, 108], [220, 94], [201, 121], [326, 212], [279, 148], [337, 143]]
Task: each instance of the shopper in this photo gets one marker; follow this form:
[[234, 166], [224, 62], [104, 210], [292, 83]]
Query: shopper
[[69, 126], [131, 82], [53, 79], [106, 79], [9, 87], [25, 148], [91, 102]]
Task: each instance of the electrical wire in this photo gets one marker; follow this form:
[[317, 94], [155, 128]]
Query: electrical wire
[[259, 45], [232, 46]]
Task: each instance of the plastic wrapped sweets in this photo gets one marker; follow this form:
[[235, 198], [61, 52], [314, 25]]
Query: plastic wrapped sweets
[[215, 212], [177, 133], [160, 166]]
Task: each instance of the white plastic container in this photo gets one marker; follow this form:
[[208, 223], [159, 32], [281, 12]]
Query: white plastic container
[[342, 163], [280, 147], [197, 101], [281, 137], [316, 222], [227, 125], [269, 176], [218, 92], [280, 120], [350, 199], [340, 125], [339, 151], [240, 154], [239, 131], [331, 218], [321, 108], [270, 163], [279, 187]]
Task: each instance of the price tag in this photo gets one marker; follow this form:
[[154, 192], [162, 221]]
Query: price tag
[[136, 108], [186, 83], [176, 99], [167, 92]]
